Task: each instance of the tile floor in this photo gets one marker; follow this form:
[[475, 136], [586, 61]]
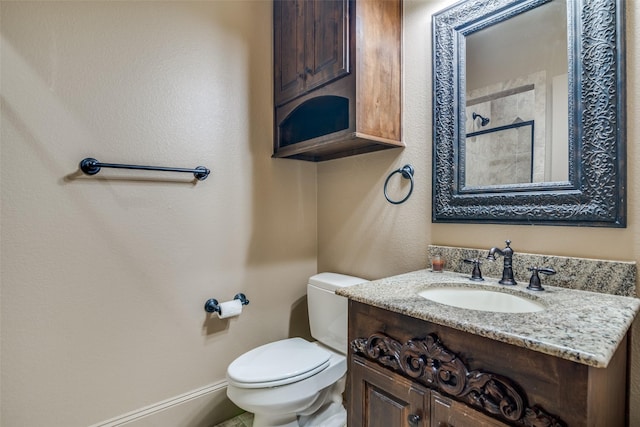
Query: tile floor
[[242, 420]]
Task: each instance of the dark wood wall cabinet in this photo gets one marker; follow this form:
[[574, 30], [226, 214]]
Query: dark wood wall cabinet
[[408, 372], [337, 77]]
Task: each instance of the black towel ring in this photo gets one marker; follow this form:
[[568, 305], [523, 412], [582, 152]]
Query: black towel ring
[[407, 172]]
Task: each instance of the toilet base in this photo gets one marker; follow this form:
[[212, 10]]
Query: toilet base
[[332, 414], [281, 420]]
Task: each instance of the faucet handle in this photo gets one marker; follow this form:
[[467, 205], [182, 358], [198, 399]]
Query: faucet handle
[[534, 282], [476, 275]]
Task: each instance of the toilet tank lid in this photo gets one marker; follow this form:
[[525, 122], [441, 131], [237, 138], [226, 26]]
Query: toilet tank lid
[[333, 281]]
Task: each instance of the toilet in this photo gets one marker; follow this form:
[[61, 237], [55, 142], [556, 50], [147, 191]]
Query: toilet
[[294, 382]]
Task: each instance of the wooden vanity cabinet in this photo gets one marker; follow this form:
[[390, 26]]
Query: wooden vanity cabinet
[[337, 77], [401, 366]]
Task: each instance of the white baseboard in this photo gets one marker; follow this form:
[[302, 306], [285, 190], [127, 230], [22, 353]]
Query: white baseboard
[[155, 408]]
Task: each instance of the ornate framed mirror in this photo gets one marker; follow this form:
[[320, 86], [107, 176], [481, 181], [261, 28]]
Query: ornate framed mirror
[[529, 112]]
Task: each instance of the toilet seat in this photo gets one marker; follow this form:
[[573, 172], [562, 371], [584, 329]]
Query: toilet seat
[[278, 363]]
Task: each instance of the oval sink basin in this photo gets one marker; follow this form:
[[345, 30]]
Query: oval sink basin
[[483, 300]]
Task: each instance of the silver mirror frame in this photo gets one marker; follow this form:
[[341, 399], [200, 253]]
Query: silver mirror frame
[[595, 194]]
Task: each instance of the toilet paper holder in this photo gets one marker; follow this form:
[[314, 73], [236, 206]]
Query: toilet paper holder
[[213, 306]]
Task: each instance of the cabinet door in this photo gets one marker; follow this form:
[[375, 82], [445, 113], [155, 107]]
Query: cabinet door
[[449, 413], [288, 49], [326, 50], [380, 398], [310, 45]]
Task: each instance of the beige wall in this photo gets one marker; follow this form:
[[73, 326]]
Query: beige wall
[[104, 279], [360, 233]]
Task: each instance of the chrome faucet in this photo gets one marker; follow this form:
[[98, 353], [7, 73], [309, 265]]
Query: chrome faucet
[[507, 254]]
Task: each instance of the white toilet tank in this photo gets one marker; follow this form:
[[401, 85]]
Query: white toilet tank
[[328, 311]]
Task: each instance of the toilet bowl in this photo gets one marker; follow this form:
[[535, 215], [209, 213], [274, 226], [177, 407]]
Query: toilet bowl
[[295, 382], [279, 402]]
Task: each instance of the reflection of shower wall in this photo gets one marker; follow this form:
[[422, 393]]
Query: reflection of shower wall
[[499, 158], [506, 103]]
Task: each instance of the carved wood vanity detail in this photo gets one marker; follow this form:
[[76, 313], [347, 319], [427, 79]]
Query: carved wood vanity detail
[[430, 363], [407, 371]]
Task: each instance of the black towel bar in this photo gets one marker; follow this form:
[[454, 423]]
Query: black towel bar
[[91, 166]]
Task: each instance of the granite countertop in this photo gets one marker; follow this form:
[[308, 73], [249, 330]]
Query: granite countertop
[[581, 326]]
